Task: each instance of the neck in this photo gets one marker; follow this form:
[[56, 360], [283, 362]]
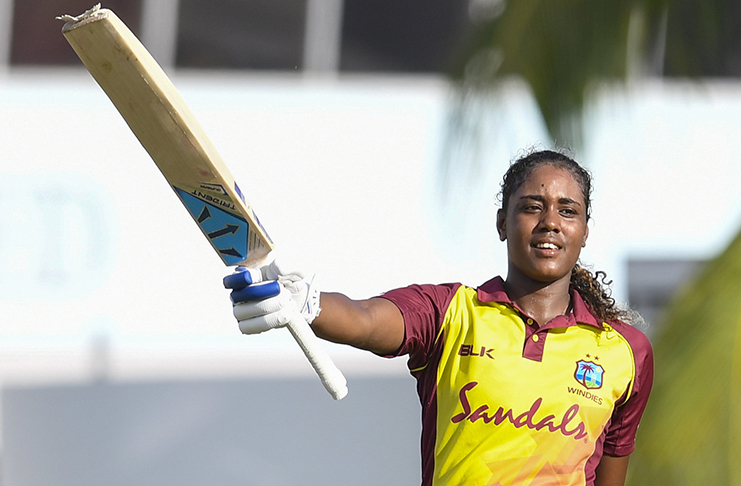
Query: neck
[[541, 300]]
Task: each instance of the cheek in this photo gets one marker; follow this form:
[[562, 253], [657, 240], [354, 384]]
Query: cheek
[[515, 236], [517, 246], [579, 237]]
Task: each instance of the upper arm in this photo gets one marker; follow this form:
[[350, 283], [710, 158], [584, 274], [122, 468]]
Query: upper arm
[[621, 436], [611, 471]]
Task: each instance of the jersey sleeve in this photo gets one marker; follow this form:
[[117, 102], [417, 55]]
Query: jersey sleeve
[[621, 433], [423, 308]]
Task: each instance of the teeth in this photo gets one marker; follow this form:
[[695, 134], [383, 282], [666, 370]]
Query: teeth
[[547, 246]]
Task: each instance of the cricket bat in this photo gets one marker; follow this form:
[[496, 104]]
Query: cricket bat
[[169, 132]]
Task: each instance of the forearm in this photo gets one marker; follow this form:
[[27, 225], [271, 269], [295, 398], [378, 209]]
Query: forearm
[[373, 324]]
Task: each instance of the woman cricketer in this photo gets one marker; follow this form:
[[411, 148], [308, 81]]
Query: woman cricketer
[[534, 379]]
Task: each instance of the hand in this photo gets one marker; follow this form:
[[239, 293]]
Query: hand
[[270, 295]]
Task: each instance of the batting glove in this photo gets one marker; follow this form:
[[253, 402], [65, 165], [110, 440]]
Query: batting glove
[[269, 296]]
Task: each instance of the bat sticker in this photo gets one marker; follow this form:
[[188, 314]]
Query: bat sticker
[[214, 187], [227, 232], [239, 193]]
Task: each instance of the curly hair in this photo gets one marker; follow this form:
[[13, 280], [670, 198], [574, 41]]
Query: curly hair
[[594, 288]]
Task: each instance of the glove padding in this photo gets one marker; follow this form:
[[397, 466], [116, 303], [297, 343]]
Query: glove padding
[[270, 296]]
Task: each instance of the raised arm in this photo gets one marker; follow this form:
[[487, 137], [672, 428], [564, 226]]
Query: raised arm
[[374, 324]]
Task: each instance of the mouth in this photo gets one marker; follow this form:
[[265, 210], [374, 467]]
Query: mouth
[[546, 247]]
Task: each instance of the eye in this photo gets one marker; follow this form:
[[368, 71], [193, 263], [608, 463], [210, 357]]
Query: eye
[[569, 212]]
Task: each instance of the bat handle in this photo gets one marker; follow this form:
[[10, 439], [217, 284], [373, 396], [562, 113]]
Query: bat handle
[[332, 378]]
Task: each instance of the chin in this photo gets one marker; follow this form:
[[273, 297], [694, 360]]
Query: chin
[[549, 277]]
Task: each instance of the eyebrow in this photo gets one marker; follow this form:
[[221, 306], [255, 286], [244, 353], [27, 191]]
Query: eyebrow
[[539, 198]]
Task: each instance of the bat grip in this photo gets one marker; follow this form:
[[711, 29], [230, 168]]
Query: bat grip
[[332, 378]]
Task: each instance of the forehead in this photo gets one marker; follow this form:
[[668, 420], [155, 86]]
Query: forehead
[[550, 180]]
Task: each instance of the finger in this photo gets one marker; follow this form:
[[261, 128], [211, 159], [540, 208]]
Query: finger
[[264, 323], [283, 266], [255, 308], [242, 277], [258, 291], [238, 280]]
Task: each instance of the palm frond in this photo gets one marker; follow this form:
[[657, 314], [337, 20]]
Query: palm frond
[[561, 47], [691, 431]]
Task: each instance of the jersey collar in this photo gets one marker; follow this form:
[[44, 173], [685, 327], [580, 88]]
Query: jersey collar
[[493, 291]]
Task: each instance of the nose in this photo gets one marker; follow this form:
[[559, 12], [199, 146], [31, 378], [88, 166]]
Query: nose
[[550, 220]]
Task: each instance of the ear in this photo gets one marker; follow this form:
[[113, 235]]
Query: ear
[[502, 224], [586, 234]]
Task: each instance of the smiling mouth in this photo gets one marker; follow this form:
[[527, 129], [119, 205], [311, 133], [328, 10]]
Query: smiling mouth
[[546, 246]]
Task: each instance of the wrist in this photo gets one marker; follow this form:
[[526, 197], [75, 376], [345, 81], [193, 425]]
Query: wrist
[[312, 307]]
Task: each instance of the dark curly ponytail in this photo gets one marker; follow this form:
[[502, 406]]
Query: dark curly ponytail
[[594, 288]]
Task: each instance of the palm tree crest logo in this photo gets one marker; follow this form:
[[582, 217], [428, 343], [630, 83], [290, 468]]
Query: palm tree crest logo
[[589, 374]]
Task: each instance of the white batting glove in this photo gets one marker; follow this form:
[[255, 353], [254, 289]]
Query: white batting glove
[[270, 295]]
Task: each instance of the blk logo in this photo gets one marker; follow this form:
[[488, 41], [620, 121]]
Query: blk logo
[[469, 350]]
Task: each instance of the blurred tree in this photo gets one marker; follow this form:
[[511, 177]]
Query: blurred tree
[[561, 47], [703, 38], [691, 432]]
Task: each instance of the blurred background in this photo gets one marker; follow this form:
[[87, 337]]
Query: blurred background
[[370, 136]]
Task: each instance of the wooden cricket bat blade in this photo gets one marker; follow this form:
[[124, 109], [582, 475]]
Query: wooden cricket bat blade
[[170, 133]]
